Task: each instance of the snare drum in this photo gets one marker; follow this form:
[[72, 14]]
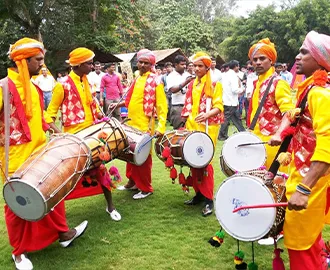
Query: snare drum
[[134, 153], [245, 158], [116, 140], [188, 148], [47, 177], [249, 224]]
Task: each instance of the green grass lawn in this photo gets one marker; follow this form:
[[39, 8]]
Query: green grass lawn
[[159, 232]]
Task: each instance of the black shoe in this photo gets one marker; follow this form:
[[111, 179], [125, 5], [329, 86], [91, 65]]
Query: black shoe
[[198, 198], [208, 209], [222, 138]]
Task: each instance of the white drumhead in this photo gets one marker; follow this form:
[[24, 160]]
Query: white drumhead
[[243, 158], [140, 158], [198, 149], [24, 200], [250, 224]]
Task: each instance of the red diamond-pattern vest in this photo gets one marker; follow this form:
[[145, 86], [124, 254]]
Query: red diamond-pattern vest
[[270, 116], [187, 108], [19, 128], [72, 108]]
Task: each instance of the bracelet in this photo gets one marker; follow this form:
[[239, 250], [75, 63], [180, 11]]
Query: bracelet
[[305, 186], [302, 190]]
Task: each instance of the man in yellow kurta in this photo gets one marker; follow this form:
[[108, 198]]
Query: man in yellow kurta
[[26, 135], [279, 100], [79, 110], [307, 186], [200, 92], [145, 99]]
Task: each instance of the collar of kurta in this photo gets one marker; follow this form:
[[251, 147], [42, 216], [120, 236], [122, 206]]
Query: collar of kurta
[[266, 75]]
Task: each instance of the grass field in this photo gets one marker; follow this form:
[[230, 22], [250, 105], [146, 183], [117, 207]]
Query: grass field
[[159, 232]]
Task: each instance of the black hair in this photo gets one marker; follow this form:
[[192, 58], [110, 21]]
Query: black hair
[[277, 64], [178, 59], [233, 63], [168, 64]]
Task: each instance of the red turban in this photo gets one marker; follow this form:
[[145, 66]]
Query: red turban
[[319, 47], [265, 47], [145, 53]]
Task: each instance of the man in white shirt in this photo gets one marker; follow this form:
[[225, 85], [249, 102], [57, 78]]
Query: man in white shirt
[[46, 83], [232, 87], [94, 79], [286, 75], [215, 73], [177, 82]]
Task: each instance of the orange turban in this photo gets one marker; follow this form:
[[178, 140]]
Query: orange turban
[[79, 56], [206, 59], [265, 47], [19, 52]]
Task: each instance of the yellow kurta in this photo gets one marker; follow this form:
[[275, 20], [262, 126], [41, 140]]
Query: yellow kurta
[[58, 97], [283, 100], [136, 112], [19, 153], [301, 228], [213, 130]]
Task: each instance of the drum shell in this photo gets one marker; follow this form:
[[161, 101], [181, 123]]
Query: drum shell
[[116, 140], [52, 171], [227, 171], [135, 138]]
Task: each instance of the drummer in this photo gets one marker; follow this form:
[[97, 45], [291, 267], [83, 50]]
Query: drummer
[[26, 109], [199, 91], [307, 187], [263, 56], [142, 112], [76, 90]]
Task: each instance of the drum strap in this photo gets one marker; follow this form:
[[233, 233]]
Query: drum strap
[[261, 104], [286, 142], [5, 95]]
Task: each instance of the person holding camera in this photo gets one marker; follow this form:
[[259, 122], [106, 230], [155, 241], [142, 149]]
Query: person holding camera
[[177, 82]]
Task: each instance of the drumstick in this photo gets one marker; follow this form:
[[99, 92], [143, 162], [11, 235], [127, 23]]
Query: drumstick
[[260, 206], [145, 143], [253, 143]]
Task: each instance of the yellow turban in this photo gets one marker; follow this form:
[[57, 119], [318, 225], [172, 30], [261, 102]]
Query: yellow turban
[[265, 47], [206, 59], [19, 52], [79, 56]]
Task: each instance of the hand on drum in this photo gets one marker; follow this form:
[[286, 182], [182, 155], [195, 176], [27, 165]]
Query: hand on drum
[[298, 201], [201, 117], [113, 105], [158, 134], [275, 140]]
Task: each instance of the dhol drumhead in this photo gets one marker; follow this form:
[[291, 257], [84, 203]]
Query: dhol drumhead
[[24, 200], [243, 158], [198, 149], [250, 224], [141, 154]]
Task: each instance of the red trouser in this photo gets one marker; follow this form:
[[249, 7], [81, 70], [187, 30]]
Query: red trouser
[[203, 183], [27, 236], [141, 175]]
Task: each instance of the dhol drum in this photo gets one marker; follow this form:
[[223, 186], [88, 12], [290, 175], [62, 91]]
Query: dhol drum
[[139, 148], [235, 158], [188, 148], [250, 224], [114, 137], [47, 177]]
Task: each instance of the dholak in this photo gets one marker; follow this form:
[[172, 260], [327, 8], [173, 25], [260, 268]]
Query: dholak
[[249, 224], [138, 149], [188, 148], [114, 138], [47, 177], [240, 159]]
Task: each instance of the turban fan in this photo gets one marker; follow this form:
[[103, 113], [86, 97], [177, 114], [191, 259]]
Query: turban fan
[[318, 46], [145, 53], [264, 47], [19, 52], [206, 59]]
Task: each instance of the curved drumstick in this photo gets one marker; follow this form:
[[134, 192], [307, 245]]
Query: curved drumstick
[[146, 142], [260, 206]]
